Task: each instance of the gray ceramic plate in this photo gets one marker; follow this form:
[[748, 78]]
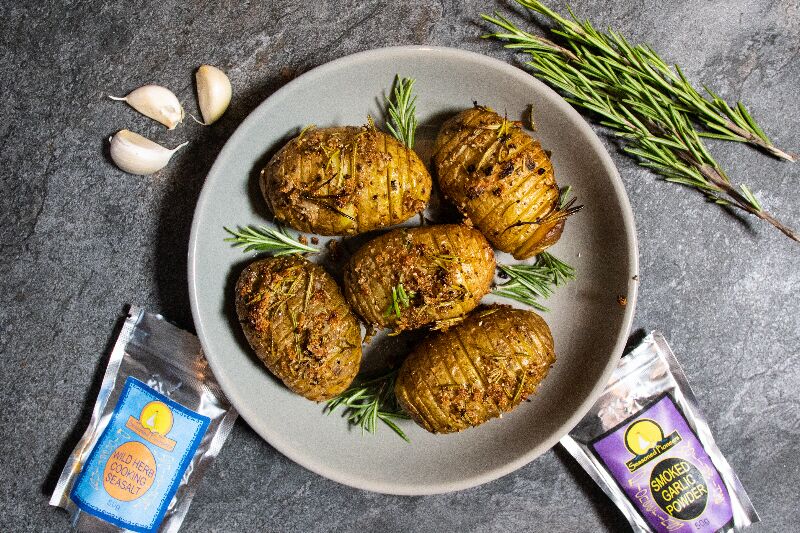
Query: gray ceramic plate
[[590, 327]]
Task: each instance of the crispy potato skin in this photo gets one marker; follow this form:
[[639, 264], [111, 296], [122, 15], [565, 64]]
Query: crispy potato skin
[[447, 267], [299, 325], [501, 179], [477, 370], [344, 180]]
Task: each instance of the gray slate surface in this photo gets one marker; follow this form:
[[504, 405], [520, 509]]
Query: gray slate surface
[[80, 239]]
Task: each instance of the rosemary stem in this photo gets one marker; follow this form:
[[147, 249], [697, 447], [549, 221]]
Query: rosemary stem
[[741, 202]]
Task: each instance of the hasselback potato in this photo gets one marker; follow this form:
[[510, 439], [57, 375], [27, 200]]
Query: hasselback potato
[[344, 180], [299, 325], [476, 370], [410, 277], [501, 179]]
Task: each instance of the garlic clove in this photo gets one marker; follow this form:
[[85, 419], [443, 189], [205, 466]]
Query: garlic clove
[[156, 102], [139, 155], [213, 93]]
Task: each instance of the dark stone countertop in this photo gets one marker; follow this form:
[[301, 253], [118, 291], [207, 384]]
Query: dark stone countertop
[[80, 239]]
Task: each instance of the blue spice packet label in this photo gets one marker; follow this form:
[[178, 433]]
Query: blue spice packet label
[[664, 471], [137, 464]]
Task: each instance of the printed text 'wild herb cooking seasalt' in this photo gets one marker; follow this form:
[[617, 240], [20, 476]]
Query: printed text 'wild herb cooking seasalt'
[[159, 421]]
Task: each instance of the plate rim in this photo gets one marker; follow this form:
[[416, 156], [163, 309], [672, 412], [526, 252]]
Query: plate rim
[[411, 489]]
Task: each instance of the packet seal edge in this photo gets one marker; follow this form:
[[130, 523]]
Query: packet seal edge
[[172, 524], [740, 500], [60, 497], [606, 482]]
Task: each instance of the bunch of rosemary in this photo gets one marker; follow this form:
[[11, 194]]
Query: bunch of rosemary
[[662, 118]]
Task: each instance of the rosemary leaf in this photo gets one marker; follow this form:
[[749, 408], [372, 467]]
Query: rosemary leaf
[[401, 298], [563, 196], [367, 402], [402, 110], [265, 239], [528, 283]]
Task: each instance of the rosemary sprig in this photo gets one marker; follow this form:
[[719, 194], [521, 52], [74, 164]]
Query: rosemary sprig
[[402, 109], [610, 52], [639, 97], [563, 196], [528, 283], [265, 239], [367, 402], [401, 298]]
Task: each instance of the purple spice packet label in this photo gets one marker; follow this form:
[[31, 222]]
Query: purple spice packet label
[[664, 471]]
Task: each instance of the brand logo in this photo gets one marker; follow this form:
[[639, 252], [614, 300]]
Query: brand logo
[[153, 425], [645, 440]]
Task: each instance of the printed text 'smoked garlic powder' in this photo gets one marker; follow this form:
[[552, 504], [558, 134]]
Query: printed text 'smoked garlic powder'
[[647, 445], [159, 421]]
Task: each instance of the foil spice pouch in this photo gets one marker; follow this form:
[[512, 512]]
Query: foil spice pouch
[[159, 421], [649, 448]]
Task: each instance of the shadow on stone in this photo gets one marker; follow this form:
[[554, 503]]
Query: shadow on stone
[[610, 517]]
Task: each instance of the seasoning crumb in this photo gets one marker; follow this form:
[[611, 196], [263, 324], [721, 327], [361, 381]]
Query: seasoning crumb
[[621, 300], [302, 239], [314, 240], [335, 250]]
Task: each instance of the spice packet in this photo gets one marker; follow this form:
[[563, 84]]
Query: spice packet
[[649, 448], [159, 421]]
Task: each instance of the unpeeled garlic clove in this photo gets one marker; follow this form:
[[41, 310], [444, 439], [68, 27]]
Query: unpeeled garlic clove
[[213, 93], [139, 155], [156, 102]]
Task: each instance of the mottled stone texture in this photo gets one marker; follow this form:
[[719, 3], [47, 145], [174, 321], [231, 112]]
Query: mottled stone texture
[[80, 239]]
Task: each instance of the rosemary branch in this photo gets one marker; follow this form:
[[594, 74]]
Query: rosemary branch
[[402, 109], [642, 100], [528, 283], [369, 401], [265, 239]]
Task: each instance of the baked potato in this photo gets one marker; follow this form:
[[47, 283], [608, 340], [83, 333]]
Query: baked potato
[[296, 320], [476, 370], [500, 178], [410, 277], [344, 180]]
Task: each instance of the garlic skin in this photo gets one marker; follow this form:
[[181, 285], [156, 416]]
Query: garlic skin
[[156, 102], [213, 93], [139, 155]]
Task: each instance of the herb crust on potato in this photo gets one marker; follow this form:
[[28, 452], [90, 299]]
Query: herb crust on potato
[[297, 322], [411, 277], [477, 370], [501, 179], [344, 181]]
